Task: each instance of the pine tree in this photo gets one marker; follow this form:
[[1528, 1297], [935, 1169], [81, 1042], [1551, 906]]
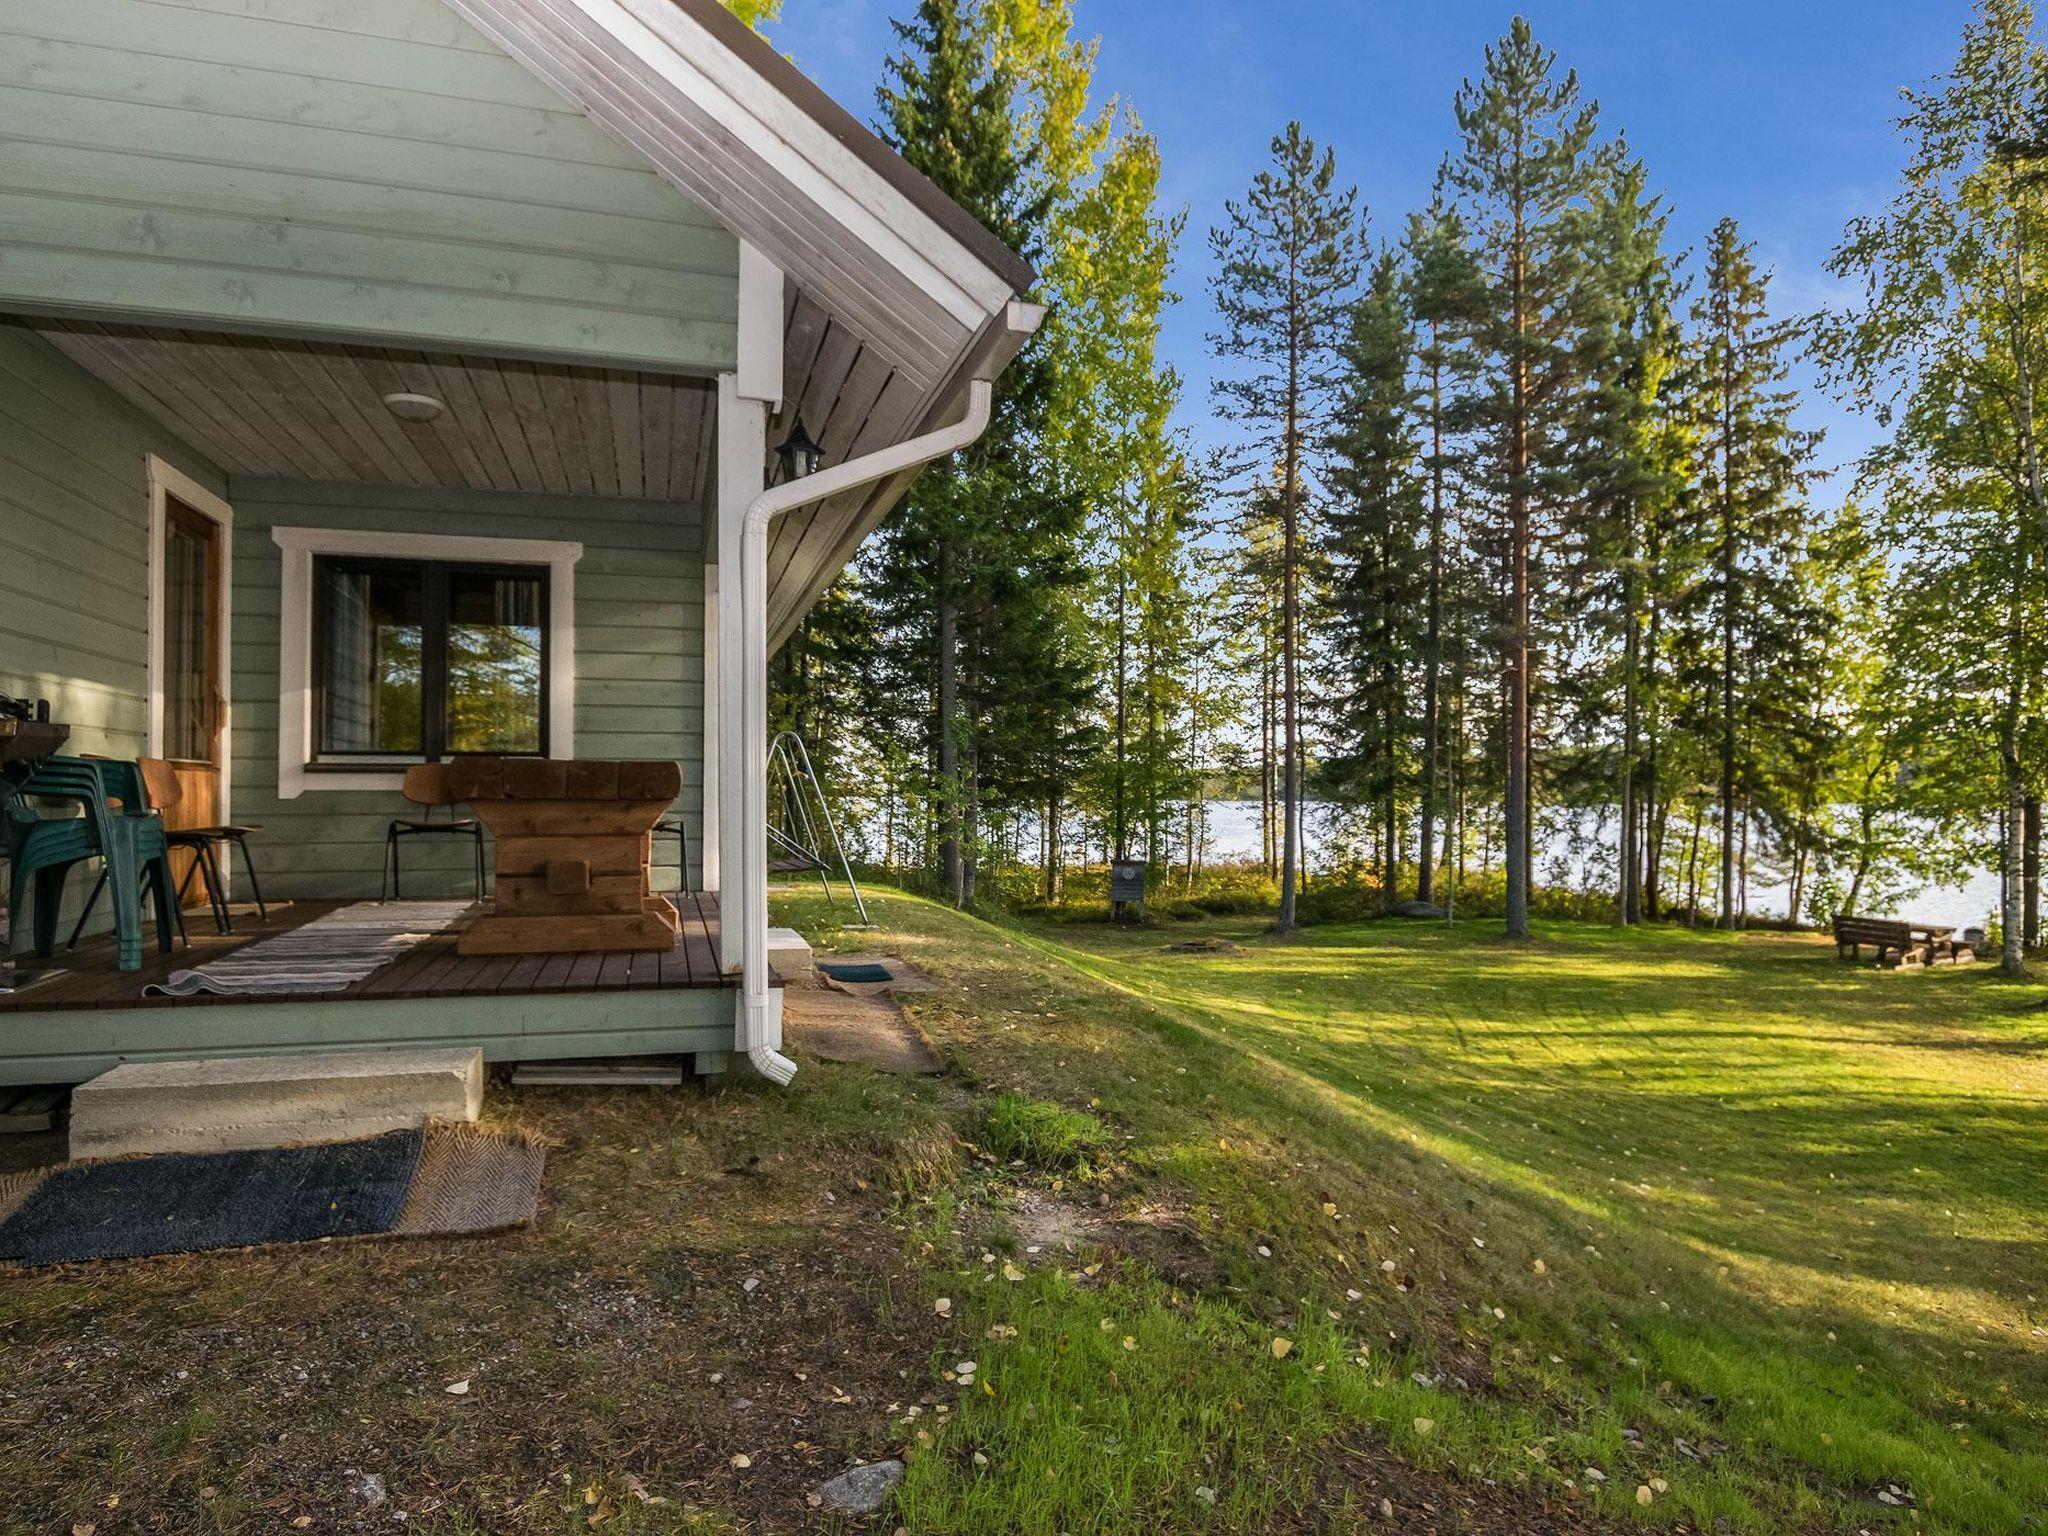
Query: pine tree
[[1288, 261], [1526, 170]]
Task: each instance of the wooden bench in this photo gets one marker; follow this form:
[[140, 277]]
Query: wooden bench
[[1905, 943]]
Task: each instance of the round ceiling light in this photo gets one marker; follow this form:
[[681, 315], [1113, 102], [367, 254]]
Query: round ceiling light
[[408, 407]]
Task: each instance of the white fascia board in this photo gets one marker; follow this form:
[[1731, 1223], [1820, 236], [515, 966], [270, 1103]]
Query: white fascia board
[[758, 115], [760, 350]]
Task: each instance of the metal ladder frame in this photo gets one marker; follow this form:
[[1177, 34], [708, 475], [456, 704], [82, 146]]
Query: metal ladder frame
[[789, 754]]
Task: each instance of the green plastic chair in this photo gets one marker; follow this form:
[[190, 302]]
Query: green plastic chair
[[42, 850]]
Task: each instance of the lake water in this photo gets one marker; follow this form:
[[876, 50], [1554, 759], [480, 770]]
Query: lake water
[[1234, 837]]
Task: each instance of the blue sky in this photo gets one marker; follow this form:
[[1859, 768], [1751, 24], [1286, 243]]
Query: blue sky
[[1778, 112]]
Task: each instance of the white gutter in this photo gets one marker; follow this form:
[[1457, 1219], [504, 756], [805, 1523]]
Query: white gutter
[[760, 1028]]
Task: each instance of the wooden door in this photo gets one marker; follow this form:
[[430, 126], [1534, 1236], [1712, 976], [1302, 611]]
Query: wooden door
[[194, 687]]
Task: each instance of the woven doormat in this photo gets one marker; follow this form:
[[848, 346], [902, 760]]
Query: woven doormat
[[444, 1181]]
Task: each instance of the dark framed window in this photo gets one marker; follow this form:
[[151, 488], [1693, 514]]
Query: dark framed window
[[420, 659]]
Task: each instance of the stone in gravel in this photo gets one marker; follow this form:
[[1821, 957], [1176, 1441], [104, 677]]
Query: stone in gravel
[[370, 1488], [863, 1490]]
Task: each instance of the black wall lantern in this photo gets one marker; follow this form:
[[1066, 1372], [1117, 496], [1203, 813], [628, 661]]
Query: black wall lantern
[[799, 455]]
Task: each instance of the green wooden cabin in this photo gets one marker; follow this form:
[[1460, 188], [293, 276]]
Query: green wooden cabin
[[387, 378]]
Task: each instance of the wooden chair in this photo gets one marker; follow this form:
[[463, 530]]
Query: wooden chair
[[161, 782], [426, 785]]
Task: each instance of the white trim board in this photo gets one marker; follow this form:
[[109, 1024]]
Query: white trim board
[[295, 637], [166, 480]]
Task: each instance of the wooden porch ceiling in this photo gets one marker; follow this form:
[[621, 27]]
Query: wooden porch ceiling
[[314, 410]]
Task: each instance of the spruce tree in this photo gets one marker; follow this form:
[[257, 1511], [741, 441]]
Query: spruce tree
[[1753, 467], [1446, 300], [1288, 260], [1378, 564], [1629, 464], [979, 541]]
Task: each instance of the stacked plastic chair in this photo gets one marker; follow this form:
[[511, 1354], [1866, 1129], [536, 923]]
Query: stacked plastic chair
[[43, 849]]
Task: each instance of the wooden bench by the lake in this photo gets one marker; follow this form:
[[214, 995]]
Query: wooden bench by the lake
[[1898, 943], [573, 856]]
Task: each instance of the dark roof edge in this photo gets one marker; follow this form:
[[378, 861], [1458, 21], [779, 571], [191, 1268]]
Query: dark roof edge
[[793, 83]]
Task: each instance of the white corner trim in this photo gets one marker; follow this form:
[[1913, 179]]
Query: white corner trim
[[760, 329], [295, 636], [166, 481]]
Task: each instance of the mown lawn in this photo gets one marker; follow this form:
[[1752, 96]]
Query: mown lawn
[[1380, 1227], [1757, 1236]]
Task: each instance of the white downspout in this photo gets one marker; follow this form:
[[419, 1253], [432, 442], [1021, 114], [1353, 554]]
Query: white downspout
[[761, 1004]]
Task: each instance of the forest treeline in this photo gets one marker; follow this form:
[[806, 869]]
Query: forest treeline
[[1516, 536]]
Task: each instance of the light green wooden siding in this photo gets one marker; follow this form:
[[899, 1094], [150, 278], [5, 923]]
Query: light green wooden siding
[[74, 549], [72, 1045], [74, 543], [639, 664], [223, 161]]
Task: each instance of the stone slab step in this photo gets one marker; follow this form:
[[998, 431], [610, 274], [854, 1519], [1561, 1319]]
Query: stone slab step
[[229, 1103], [789, 954]]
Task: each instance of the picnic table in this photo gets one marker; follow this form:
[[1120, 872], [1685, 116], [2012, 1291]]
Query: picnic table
[[571, 841], [1902, 942]]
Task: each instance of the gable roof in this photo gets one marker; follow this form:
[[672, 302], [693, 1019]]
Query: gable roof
[[898, 296], [861, 140], [738, 128]]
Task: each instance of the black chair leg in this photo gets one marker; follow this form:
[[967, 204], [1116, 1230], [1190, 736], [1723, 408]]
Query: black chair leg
[[255, 889], [98, 887], [216, 890], [479, 835], [391, 840]]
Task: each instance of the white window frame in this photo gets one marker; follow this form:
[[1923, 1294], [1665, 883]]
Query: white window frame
[[168, 482], [300, 546]]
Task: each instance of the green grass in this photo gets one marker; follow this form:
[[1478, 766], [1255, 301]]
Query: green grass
[[1042, 1135], [1246, 1240], [1637, 1189]]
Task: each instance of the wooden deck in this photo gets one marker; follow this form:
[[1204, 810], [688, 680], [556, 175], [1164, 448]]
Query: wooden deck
[[86, 977], [90, 1016]]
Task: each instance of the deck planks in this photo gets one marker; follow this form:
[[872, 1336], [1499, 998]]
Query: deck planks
[[431, 968]]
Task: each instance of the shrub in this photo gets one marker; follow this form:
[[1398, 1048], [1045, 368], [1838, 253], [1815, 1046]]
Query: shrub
[[1044, 1135]]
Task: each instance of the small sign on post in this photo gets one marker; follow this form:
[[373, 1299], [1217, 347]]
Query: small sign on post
[[1126, 887]]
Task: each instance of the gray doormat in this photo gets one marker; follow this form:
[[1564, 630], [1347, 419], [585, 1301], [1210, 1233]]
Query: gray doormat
[[875, 974], [185, 1202], [447, 1180]]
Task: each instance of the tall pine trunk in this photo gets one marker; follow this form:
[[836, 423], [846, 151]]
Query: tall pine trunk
[[1631, 850], [1433, 644], [1516, 833], [1727, 573], [1290, 597], [952, 871]]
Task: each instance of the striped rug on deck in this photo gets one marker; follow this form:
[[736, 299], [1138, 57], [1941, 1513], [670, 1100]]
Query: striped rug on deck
[[329, 954]]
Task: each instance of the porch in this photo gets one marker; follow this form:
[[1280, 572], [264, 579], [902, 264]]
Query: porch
[[86, 1016]]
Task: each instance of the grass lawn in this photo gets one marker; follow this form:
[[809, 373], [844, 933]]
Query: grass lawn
[[1378, 1227]]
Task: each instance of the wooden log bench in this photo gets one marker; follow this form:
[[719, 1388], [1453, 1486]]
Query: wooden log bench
[[1901, 943], [572, 849]]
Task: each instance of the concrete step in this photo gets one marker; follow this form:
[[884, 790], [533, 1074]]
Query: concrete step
[[228, 1103], [789, 954]]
